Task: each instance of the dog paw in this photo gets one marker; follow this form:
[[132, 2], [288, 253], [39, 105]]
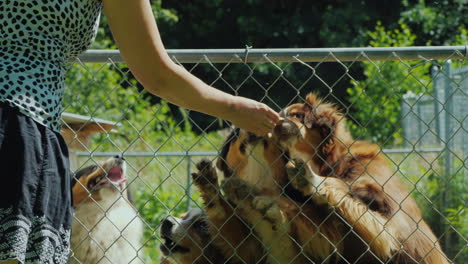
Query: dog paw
[[269, 208], [206, 174], [237, 190], [263, 203], [297, 174]]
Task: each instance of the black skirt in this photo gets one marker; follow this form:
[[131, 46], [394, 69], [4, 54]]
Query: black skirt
[[35, 196]]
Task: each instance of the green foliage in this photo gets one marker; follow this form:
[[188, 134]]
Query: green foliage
[[376, 100], [436, 22]]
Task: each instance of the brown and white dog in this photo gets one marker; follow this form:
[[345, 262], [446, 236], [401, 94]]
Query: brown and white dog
[[187, 240], [215, 235], [307, 230], [106, 227], [316, 132]]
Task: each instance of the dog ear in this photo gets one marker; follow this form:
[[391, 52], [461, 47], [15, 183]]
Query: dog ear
[[308, 119], [312, 101], [331, 125]]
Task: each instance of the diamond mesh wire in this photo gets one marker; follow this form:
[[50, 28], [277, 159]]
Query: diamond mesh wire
[[410, 104]]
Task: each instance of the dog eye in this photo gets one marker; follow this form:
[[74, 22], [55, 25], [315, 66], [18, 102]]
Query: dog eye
[[297, 116], [92, 183]]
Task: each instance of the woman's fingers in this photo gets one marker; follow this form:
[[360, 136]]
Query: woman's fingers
[[254, 116], [265, 128], [273, 116]]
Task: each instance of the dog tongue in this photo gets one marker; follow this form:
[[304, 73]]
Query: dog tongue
[[115, 175]]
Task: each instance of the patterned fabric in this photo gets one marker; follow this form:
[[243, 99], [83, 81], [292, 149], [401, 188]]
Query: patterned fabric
[[35, 197], [37, 38], [32, 240]]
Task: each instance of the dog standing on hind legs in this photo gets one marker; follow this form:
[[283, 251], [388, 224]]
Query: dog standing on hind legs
[[243, 214], [243, 226], [213, 235], [318, 227], [316, 132]]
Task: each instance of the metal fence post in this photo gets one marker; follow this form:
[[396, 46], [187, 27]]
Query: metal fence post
[[189, 181], [448, 102], [419, 121], [435, 91]]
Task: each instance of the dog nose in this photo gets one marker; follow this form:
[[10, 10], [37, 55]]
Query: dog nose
[[119, 157], [282, 128], [166, 226], [285, 129]]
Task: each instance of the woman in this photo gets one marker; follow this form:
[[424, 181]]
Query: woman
[[37, 37]]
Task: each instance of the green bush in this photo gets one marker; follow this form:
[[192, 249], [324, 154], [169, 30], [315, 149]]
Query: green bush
[[376, 100]]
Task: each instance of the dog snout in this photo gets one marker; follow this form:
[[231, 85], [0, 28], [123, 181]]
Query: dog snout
[[166, 226], [286, 129]]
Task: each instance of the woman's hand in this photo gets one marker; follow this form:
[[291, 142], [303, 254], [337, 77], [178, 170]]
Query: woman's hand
[[252, 116]]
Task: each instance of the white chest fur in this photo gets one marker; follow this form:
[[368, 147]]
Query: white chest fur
[[106, 231]]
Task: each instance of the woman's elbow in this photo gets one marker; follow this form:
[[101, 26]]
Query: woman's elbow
[[156, 79]]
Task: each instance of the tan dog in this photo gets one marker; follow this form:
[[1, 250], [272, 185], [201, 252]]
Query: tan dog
[[316, 132], [106, 228]]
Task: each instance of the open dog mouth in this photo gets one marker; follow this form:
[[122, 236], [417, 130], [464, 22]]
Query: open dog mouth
[[170, 246], [115, 176]]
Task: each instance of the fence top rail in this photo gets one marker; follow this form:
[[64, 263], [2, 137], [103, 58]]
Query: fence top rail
[[293, 54], [214, 153]]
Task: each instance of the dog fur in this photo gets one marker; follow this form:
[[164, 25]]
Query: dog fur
[[316, 132], [106, 227]]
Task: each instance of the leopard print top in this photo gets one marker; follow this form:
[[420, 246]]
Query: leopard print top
[[37, 38]]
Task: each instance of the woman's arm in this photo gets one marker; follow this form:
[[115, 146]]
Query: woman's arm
[[135, 31]]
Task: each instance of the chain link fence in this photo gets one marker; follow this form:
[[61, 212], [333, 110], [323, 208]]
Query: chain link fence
[[409, 101]]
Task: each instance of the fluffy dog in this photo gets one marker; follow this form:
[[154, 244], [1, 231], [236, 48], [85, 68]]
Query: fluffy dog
[[216, 235], [319, 228], [241, 226], [316, 132], [230, 233], [106, 227], [261, 231]]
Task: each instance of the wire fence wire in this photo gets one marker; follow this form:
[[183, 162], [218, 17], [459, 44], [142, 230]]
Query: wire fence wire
[[262, 204]]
